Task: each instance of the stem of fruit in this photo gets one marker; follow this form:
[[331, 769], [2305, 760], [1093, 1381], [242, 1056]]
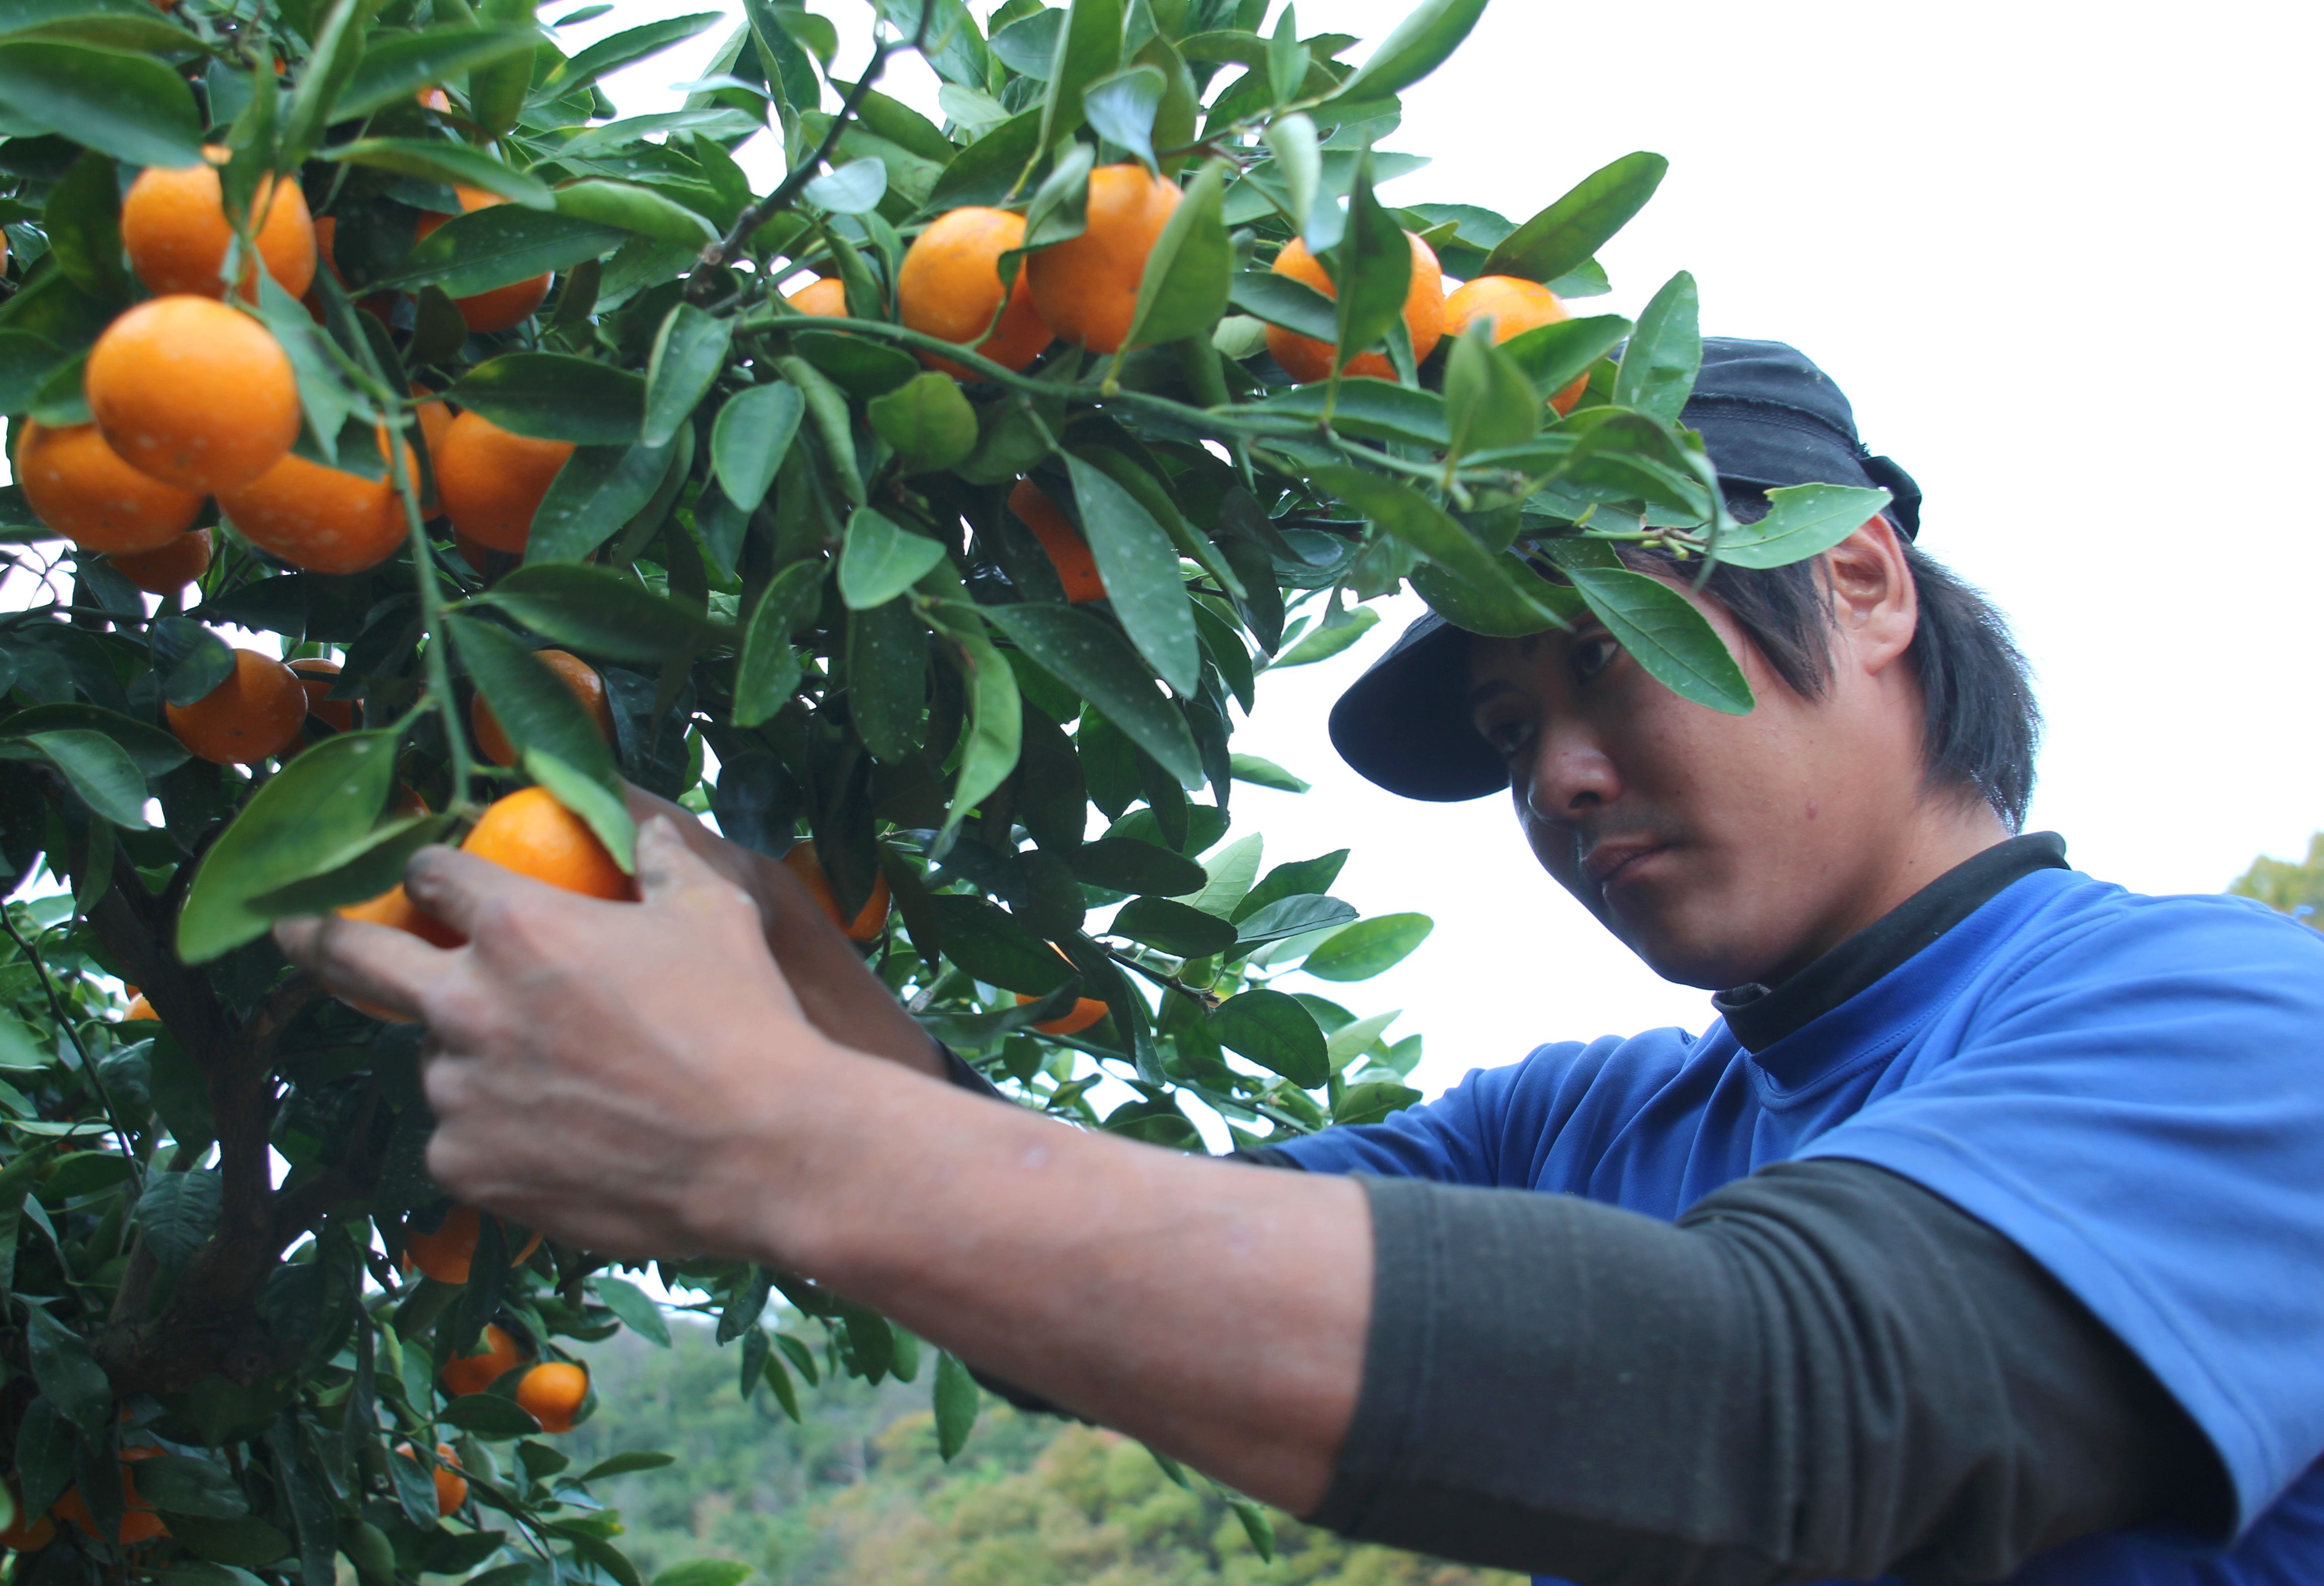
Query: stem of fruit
[[431, 618]]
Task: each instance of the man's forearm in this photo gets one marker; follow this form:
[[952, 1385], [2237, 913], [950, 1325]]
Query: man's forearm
[[1217, 1313]]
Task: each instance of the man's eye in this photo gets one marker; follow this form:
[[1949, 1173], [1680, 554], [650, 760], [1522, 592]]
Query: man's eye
[[1507, 737], [1590, 656]]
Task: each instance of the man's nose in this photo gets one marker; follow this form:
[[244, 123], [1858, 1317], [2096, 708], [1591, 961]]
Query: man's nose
[[1569, 776]]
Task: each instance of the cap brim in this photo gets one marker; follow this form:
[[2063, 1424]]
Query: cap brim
[[1404, 725]]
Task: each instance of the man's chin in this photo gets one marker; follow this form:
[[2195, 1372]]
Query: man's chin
[[1683, 957]]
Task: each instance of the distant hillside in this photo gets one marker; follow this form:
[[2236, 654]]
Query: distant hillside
[[856, 1496]]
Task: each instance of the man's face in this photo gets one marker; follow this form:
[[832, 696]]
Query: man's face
[[1722, 850]]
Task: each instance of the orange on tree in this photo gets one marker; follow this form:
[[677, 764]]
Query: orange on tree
[[317, 676], [193, 394], [530, 833], [1515, 305], [869, 921], [451, 1487], [950, 286], [576, 674], [503, 306], [27, 1533], [1308, 360], [553, 1392], [489, 482], [324, 519], [138, 1007], [80, 487], [1077, 568], [1086, 287], [252, 715], [1084, 1012], [474, 1373], [446, 1252], [175, 231], [169, 566], [140, 1522], [825, 299]]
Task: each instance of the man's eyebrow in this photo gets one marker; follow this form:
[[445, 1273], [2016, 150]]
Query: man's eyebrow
[[1480, 692]]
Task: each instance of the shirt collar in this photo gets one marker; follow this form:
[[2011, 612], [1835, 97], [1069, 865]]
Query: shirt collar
[[1760, 1015]]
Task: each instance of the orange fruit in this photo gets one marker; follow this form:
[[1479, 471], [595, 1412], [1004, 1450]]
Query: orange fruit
[[503, 306], [1086, 287], [476, 1373], [393, 908], [491, 481], [174, 228], [433, 100], [193, 394], [327, 237], [27, 1533], [169, 566], [1308, 360], [576, 674], [1515, 307], [1084, 1012], [139, 1521], [324, 519], [950, 286], [553, 1392], [254, 714], [868, 924], [826, 299], [139, 1009], [1077, 568], [80, 487], [451, 1487], [317, 676], [446, 1254]]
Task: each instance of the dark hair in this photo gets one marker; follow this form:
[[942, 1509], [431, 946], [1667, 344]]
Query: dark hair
[[1980, 722]]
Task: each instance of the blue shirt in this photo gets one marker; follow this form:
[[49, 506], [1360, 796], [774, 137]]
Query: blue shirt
[[2131, 1089]]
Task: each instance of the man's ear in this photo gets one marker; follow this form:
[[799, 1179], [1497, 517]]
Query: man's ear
[[1875, 603]]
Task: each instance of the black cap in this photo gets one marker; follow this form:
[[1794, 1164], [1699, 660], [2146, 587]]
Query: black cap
[[1768, 418]]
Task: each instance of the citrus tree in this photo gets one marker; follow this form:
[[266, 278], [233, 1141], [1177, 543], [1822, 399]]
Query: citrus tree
[[408, 448]]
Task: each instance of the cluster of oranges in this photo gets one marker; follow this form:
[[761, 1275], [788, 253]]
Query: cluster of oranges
[[551, 1392]]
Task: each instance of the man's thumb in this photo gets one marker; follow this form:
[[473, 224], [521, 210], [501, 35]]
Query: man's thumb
[[668, 872]]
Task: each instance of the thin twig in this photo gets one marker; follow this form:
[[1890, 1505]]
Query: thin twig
[[72, 1034]]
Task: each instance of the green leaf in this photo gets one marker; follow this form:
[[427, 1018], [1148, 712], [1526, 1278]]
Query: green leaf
[[984, 172], [83, 220], [438, 160], [688, 352], [177, 1214], [1286, 59], [131, 106], [532, 703], [827, 406], [623, 49], [1373, 268], [1298, 156], [748, 443], [397, 66], [1371, 410], [503, 243], [598, 612], [631, 1463], [631, 1304], [1555, 354], [957, 1400], [1803, 521], [887, 672], [1120, 108], [1325, 643], [628, 207], [1257, 1524], [1299, 915], [302, 821], [768, 669], [704, 1571], [1372, 1101], [1365, 949], [1276, 1032], [1191, 270], [554, 396], [1308, 877], [1060, 206], [363, 871], [1666, 634], [996, 719], [1097, 663], [98, 770], [1658, 367], [176, 1484], [927, 420], [27, 362], [1428, 529], [855, 188], [599, 489], [67, 1376], [1578, 225], [1125, 864], [490, 1416], [338, 47], [879, 561], [1172, 927], [1266, 773], [1089, 47], [1421, 43], [991, 945], [1489, 399], [1138, 564]]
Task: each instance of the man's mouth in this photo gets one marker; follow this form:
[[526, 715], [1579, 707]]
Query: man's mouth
[[1607, 863]]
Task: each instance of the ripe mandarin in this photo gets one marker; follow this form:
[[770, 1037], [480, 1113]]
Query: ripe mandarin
[[474, 1373], [140, 1522], [447, 1251], [950, 286], [1077, 568], [80, 487], [318, 677], [451, 1487], [1086, 287], [324, 519], [1515, 305], [1084, 1012], [169, 566], [553, 1392], [1308, 360], [576, 674], [193, 394], [491, 481], [825, 299], [254, 714], [530, 833], [138, 1007], [175, 231], [869, 921], [503, 307]]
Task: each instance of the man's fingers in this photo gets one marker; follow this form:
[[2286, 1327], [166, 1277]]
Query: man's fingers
[[362, 961], [670, 871], [456, 887]]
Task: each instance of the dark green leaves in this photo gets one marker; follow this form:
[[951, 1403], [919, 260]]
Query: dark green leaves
[[1139, 567], [1121, 109], [1803, 521], [633, 1305], [1276, 1032], [488, 1417], [768, 669], [177, 1213], [1191, 270], [1364, 950], [1374, 275], [1495, 601], [1665, 634], [599, 489], [133, 108], [957, 1399], [754, 430], [1659, 365], [632, 208], [435, 160], [554, 396], [396, 66], [1489, 399], [988, 944], [1089, 46], [67, 1378], [598, 612], [506, 242], [1578, 225], [98, 769], [1125, 864], [879, 561], [532, 704], [926, 420], [313, 816], [1554, 355], [1174, 928], [688, 354], [1421, 43]]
